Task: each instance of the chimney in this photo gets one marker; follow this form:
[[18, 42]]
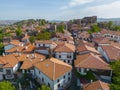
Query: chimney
[[26, 47], [33, 43], [41, 60], [33, 55], [91, 81], [27, 56], [3, 54]]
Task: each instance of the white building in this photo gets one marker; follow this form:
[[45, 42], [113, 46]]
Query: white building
[[91, 62], [110, 53], [43, 47], [54, 73], [28, 61], [65, 52], [9, 65], [113, 35]]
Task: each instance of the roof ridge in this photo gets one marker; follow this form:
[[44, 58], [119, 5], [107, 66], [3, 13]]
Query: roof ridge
[[59, 62], [100, 83], [99, 58], [84, 59], [67, 45], [54, 70]]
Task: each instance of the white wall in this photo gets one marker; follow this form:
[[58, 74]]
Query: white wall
[[16, 67], [45, 45], [46, 79], [63, 82], [103, 53], [64, 56], [53, 83], [43, 52]]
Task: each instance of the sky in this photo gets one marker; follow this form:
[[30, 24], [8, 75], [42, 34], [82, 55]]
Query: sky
[[58, 9]]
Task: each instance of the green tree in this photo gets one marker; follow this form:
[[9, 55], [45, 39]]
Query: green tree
[[116, 28], [94, 28], [116, 76], [1, 37], [110, 24], [43, 36], [1, 48], [60, 28], [44, 87], [19, 31], [43, 22], [5, 85], [32, 39]]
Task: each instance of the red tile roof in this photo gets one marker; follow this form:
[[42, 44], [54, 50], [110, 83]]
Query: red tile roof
[[53, 68], [83, 48], [91, 61], [112, 52], [9, 61], [97, 85], [65, 48]]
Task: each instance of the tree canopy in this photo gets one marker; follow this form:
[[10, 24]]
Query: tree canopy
[[19, 31], [32, 39], [110, 24], [44, 87], [1, 48], [94, 28], [60, 28], [43, 36], [5, 85], [116, 76]]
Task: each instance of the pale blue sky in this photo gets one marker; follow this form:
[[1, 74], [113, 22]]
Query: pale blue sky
[[58, 9]]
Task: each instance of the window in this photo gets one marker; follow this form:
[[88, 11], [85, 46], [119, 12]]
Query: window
[[59, 56], [68, 61], [43, 45], [58, 80], [1, 69], [48, 84], [39, 72], [68, 56], [8, 72], [58, 85], [42, 79], [69, 73], [69, 79], [64, 77]]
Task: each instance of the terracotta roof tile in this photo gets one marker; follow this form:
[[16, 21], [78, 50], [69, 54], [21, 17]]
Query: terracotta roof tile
[[91, 61], [112, 52], [86, 48], [16, 42], [53, 68], [45, 42], [97, 85], [23, 57], [29, 63], [29, 48], [16, 49], [9, 60], [65, 48]]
